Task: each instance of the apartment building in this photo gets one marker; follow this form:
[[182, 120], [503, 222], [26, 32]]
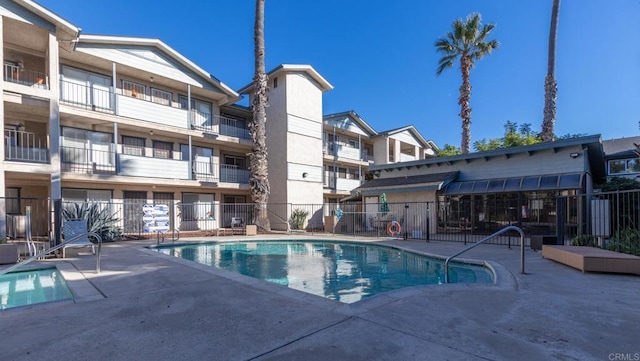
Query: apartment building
[[351, 146], [130, 121]]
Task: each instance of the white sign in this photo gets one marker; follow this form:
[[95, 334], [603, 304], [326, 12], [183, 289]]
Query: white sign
[[155, 218]]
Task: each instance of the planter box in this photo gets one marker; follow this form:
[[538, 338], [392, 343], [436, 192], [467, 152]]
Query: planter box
[[8, 253], [251, 230]]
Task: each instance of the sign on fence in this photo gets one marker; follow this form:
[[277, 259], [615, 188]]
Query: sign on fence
[[155, 218]]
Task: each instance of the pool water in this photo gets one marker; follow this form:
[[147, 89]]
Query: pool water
[[342, 271], [31, 287]]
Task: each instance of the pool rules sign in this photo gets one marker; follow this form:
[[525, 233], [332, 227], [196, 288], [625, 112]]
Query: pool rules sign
[[155, 218]]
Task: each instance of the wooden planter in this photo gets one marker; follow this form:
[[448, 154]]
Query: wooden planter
[[8, 253]]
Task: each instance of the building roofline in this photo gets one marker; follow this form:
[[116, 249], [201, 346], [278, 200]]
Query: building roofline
[[592, 142], [48, 15], [159, 44], [283, 68], [414, 131], [353, 115]]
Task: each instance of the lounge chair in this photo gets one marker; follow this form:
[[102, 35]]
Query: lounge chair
[[74, 229]]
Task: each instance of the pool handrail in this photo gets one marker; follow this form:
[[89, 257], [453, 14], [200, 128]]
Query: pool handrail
[[503, 230], [55, 248]]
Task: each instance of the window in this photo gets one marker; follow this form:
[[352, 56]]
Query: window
[[275, 82], [239, 162], [83, 146], [235, 199], [12, 200], [353, 143], [623, 166], [132, 145], [161, 96], [197, 206], [202, 158], [132, 89], [81, 87], [162, 150], [201, 112]]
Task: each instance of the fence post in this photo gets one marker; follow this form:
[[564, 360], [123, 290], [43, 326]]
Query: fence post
[[57, 219]]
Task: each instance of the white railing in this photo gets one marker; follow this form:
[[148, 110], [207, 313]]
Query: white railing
[[25, 146]]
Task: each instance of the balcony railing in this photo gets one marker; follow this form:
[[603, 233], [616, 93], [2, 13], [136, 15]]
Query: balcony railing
[[234, 128], [92, 97], [28, 77], [219, 125], [233, 174], [341, 150], [25, 147], [204, 171], [88, 161]]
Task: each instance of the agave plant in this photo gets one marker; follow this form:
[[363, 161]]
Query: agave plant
[[100, 220]]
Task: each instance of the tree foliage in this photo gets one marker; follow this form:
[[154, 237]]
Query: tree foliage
[[514, 136], [448, 150], [619, 184]]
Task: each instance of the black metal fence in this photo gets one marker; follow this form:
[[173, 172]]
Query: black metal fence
[[598, 218]]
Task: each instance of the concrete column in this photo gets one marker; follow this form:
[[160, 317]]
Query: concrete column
[[387, 160], [54, 117], [3, 216], [396, 151], [416, 153]]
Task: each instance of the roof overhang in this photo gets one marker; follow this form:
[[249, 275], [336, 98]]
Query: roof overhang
[[417, 183], [160, 45], [48, 15], [293, 68], [517, 184], [355, 117]]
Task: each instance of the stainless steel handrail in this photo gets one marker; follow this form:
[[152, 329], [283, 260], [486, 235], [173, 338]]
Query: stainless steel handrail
[[504, 230], [55, 248]]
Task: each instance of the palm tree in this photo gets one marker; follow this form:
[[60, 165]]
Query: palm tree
[[468, 42], [258, 181], [550, 83]]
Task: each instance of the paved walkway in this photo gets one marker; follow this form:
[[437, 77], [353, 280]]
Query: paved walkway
[[145, 306]]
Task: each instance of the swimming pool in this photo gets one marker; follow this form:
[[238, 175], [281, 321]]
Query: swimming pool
[[342, 271], [32, 286]]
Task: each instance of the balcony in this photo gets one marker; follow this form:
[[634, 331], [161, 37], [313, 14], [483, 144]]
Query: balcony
[[87, 160], [91, 97], [28, 77], [24, 146], [233, 174], [140, 166], [341, 184], [100, 98], [214, 124], [204, 171], [341, 150]]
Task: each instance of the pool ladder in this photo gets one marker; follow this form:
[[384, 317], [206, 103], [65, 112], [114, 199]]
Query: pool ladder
[[57, 247], [504, 230]]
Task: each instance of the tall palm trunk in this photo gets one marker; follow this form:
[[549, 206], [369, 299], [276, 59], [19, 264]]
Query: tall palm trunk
[[550, 83], [258, 181], [464, 101]]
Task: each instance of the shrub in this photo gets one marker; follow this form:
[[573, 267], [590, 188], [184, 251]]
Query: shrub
[[298, 216], [585, 240], [625, 241], [99, 219]]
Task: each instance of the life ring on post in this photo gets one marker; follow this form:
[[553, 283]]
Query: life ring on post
[[394, 229]]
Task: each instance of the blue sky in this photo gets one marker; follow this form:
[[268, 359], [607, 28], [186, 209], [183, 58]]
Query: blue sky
[[379, 56]]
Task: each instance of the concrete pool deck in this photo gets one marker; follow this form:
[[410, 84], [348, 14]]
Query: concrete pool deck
[[145, 306]]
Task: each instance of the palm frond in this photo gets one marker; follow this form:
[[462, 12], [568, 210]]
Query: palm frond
[[446, 62]]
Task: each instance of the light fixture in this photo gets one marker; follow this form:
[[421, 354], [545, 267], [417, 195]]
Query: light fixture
[[574, 155], [305, 175], [151, 79], [151, 132]]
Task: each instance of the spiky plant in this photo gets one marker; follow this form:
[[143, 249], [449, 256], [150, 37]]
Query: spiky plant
[[99, 219]]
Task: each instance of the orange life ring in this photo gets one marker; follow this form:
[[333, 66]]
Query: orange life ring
[[394, 229]]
